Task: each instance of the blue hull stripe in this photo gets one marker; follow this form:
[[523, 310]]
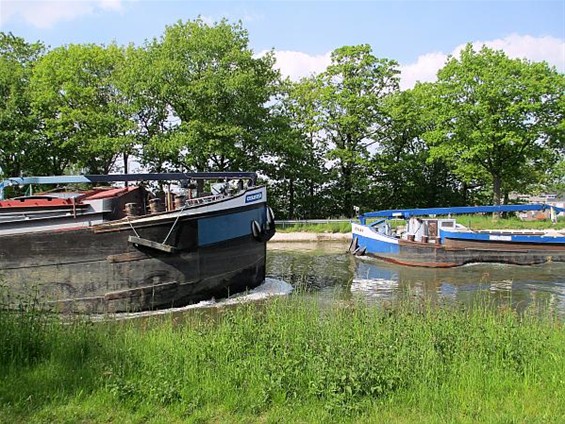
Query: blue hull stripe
[[225, 227], [376, 246], [504, 237]]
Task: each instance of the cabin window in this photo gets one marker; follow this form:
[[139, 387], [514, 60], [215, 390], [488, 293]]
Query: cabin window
[[432, 228]]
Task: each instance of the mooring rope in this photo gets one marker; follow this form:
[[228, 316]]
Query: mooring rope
[[131, 225], [174, 224]]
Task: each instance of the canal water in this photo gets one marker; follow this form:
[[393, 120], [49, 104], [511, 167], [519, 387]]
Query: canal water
[[326, 269]]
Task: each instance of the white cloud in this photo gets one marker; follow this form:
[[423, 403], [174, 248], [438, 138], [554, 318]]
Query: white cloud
[[295, 64], [208, 20], [423, 70], [45, 14], [536, 49]]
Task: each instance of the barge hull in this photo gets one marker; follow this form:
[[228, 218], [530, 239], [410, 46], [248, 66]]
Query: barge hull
[[430, 256], [100, 270]]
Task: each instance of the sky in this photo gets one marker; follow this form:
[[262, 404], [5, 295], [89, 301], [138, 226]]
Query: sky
[[419, 34]]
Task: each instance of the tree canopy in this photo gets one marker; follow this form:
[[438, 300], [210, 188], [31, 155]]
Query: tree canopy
[[84, 119], [497, 118], [216, 94], [345, 115], [18, 125], [197, 98]]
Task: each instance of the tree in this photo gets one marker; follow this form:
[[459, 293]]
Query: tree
[[85, 119], [141, 90], [498, 119], [555, 179], [299, 178], [216, 94], [406, 176], [18, 125], [348, 116]]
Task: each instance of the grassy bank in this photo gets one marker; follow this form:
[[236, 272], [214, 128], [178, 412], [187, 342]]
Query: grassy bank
[[330, 227], [289, 360], [483, 222], [475, 222]]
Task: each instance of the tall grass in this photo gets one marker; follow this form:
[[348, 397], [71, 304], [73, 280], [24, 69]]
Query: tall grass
[[486, 222], [289, 360], [475, 222], [330, 227]]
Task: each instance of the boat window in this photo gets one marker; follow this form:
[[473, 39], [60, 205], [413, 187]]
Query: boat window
[[432, 227]]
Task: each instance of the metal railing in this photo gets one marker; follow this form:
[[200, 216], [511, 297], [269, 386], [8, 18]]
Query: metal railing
[[201, 200]]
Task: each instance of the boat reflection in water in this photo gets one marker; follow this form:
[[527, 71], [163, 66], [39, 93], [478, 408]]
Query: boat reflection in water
[[327, 271], [513, 285]]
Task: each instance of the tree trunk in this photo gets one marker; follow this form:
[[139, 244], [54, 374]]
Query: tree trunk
[[291, 199], [311, 202], [347, 191], [497, 192], [126, 166], [496, 195]]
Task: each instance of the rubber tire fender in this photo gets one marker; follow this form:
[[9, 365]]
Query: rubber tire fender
[[270, 218], [256, 230], [353, 245]]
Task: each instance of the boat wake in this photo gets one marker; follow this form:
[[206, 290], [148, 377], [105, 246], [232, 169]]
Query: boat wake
[[270, 287]]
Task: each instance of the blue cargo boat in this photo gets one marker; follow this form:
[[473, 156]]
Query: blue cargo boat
[[432, 238]]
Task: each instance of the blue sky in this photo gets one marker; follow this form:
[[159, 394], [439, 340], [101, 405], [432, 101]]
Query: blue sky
[[418, 34]]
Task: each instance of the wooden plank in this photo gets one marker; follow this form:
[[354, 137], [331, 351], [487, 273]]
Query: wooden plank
[[151, 290], [152, 244]]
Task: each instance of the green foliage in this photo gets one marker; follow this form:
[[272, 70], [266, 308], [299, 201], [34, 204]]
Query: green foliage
[[555, 179], [141, 89], [18, 125], [299, 176], [349, 115], [498, 120], [337, 116], [484, 222], [333, 227], [197, 98], [85, 120], [406, 177], [215, 93], [288, 360]]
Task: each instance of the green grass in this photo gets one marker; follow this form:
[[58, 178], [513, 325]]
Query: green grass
[[289, 360], [332, 227], [484, 222], [475, 222]]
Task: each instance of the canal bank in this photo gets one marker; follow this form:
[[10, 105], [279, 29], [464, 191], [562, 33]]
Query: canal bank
[[304, 236]]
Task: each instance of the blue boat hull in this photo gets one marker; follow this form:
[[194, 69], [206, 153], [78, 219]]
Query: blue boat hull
[[460, 248]]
